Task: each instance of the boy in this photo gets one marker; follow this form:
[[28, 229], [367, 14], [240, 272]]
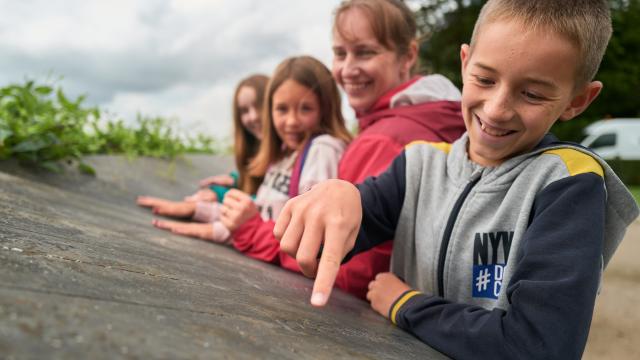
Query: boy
[[504, 233]]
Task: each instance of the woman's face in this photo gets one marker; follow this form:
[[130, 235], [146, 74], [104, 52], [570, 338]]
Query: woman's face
[[363, 67], [249, 111]]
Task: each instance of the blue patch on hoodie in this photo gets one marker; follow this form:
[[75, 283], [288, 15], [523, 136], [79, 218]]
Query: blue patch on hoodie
[[490, 255], [487, 280]]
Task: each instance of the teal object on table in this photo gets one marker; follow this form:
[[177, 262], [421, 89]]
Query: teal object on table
[[221, 191]]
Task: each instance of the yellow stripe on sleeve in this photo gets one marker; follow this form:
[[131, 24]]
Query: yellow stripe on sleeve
[[577, 162], [442, 146], [401, 302]]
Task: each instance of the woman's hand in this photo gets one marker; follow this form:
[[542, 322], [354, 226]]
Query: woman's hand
[[384, 290], [237, 208], [222, 180]]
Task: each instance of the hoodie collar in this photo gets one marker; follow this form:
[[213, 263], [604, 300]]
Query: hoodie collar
[[385, 100]]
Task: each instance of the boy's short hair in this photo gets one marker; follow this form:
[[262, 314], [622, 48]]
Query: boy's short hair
[[585, 23]]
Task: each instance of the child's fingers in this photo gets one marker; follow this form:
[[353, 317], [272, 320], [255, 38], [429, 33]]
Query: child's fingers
[[207, 195], [162, 209], [222, 180], [228, 216], [184, 229], [329, 265], [167, 225], [232, 193], [236, 196], [208, 181], [230, 201], [307, 254], [227, 211], [290, 239], [147, 201], [282, 222]]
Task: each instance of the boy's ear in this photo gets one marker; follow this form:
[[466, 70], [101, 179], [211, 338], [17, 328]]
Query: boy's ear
[[464, 58], [581, 100]]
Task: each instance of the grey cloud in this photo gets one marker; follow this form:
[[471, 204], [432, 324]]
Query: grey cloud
[[145, 69]]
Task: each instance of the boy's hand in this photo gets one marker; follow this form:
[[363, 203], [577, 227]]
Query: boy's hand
[[384, 290], [237, 208], [331, 212], [222, 180], [198, 230]]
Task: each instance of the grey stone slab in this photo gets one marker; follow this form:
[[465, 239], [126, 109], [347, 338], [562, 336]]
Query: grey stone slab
[[119, 178], [85, 275]]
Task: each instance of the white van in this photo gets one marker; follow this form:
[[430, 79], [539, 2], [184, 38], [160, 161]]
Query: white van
[[614, 138]]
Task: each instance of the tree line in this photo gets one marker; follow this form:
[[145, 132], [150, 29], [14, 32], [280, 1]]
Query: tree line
[[445, 24]]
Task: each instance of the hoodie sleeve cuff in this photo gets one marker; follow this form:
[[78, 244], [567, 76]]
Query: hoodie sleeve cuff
[[206, 212], [400, 301], [243, 235]]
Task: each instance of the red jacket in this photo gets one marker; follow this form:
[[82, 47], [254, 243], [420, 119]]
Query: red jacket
[[383, 134]]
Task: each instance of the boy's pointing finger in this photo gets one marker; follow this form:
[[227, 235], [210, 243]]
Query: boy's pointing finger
[[282, 222], [332, 254]]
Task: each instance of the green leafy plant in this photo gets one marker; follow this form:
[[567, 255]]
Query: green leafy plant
[[446, 24], [635, 191], [40, 125]]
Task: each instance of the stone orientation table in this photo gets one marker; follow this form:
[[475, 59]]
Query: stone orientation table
[[84, 275]]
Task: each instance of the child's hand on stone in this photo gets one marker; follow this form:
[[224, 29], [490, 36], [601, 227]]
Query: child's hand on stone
[[222, 180], [202, 195], [197, 230], [384, 290], [237, 209], [167, 207]]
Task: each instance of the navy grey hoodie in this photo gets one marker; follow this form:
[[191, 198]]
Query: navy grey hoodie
[[505, 261]]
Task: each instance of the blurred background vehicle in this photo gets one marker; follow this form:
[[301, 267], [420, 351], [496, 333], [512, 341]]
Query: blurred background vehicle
[[614, 139]]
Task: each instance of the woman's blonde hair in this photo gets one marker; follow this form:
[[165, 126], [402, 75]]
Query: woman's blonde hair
[[246, 145], [310, 73]]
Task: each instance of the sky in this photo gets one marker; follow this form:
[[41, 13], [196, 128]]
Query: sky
[[172, 58]]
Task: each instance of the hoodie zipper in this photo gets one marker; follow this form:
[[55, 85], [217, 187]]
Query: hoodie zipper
[[446, 237]]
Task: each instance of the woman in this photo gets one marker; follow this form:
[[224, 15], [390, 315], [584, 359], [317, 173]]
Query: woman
[[375, 50]]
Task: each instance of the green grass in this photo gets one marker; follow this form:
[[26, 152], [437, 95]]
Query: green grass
[[635, 190], [40, 125]]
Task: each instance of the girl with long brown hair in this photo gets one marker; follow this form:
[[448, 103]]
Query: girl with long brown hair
[[303, 138]]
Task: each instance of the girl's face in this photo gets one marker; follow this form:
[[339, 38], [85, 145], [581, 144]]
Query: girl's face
[[249, 112], [363, 67], [295, 112]]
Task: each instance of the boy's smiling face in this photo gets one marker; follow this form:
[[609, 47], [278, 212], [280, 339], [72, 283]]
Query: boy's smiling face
[[517, 83]]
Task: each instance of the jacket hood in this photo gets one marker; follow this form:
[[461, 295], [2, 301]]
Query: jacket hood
[[411, 99]]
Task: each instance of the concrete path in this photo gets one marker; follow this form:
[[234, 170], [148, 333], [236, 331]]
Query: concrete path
[[615, 329], [83, 274]]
